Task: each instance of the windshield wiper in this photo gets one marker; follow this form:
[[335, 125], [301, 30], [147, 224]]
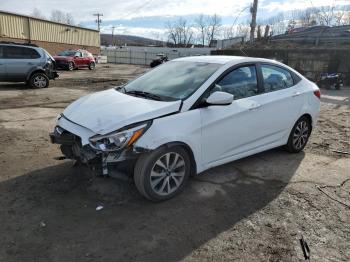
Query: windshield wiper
[[144, 94]]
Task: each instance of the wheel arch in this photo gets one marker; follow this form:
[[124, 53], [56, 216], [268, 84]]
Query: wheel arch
[[35, 71], [188, 150]]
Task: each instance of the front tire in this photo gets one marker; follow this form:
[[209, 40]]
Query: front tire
[[163, 173], [299, 135], [70, 66], [92, 66], [39, 80]]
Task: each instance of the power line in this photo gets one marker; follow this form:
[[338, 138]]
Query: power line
[[98, 20]]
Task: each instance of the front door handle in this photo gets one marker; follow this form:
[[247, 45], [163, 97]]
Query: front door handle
[[295, 94], [254, 106], [30, 63]]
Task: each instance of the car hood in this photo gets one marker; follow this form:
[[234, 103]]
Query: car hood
[[107, 111]]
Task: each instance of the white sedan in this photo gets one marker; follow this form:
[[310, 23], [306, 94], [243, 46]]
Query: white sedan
[[188, 115]]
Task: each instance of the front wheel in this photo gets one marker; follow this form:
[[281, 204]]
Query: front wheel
[[92, 65], [163, 173], [299, 135], [70, 66], [39, 80]]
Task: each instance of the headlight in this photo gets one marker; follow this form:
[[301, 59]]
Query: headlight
[[118, 140]]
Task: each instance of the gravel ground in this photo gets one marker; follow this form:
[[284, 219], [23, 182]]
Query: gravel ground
[[254, 209]]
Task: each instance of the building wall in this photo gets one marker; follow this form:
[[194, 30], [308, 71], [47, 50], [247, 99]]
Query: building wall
[[54, 37]]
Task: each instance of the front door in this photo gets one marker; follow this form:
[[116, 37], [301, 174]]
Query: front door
[[236, 128]]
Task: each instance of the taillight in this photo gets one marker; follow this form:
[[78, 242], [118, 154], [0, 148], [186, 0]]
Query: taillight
[[317, 93]]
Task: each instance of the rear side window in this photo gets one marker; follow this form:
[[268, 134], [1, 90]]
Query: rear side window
[[241, 82], [1, 53], [17, 52], [276, 78]]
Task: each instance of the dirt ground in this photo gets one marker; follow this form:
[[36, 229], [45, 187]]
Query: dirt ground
[[254, 209]]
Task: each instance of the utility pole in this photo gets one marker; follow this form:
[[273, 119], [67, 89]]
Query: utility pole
[[113, 43], [253, 11], [98, 20]]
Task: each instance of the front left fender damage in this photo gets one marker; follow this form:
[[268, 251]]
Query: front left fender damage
[[77, 147]]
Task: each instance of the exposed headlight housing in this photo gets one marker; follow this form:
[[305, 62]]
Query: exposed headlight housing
[[118, 140]]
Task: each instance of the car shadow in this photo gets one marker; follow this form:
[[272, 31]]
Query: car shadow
[[13, 86], [50, 214]]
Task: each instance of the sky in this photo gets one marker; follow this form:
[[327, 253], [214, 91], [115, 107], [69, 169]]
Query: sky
[[148, 17]]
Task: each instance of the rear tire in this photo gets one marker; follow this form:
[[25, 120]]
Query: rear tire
[[39, 80], [299, 135], [163, 173]]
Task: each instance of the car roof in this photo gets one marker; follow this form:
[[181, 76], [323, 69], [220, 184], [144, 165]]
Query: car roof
[[218, 59]]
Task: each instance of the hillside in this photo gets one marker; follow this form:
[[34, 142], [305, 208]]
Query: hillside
[[106, 39]]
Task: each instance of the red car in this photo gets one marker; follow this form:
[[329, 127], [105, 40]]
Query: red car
[[72, 59]]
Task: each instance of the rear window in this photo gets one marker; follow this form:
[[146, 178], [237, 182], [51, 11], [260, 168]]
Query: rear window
[[18, 52]]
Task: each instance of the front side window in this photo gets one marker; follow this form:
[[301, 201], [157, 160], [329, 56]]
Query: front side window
[[241, 82], [16, 52], [276, 78], [173, 80], [78, 54]]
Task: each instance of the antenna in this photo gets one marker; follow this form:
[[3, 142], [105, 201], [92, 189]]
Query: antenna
[[98, 20]]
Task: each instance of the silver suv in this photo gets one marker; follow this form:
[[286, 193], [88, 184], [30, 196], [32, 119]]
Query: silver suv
[[26, 63]]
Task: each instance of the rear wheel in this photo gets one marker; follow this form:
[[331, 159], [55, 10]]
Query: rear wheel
[[299, 135], [39, 80], [163, 173]]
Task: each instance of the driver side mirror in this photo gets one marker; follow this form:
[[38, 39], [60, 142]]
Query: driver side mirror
[[219, 98]]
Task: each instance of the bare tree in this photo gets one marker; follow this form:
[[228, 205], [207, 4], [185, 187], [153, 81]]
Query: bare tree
[[37, 13], [214, 27], [267, 31], [62, 17], [201, 26], [253, 11], [258, 33], [180, 33]]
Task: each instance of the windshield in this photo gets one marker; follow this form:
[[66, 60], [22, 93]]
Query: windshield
[[173, 80], [66, 53]]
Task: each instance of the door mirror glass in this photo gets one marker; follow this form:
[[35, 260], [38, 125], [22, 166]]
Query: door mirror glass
[[219, 98]]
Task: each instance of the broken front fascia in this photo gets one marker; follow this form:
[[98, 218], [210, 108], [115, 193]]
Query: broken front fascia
[[113, 147]]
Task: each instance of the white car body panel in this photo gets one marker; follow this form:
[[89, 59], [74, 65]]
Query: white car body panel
[[107, 111], [215, 134]]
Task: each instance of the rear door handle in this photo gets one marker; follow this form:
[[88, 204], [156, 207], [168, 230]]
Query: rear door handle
[[295, 94], [254, 106]]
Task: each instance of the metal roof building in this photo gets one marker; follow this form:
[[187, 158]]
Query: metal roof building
[[50, 35]]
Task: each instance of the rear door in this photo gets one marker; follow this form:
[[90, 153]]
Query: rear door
[[20, 61], [2, 66], [281, 103]]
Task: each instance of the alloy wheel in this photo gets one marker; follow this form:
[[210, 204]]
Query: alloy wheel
[[300, 135], [167, 173], [70, 66], [40, 81]]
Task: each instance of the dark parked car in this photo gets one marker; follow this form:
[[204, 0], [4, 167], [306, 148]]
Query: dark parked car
[[72, 59], [161, 58], [330, 81], [26, 63]]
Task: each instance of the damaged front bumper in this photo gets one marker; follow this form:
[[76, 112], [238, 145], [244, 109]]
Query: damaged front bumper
[[75, 147]]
